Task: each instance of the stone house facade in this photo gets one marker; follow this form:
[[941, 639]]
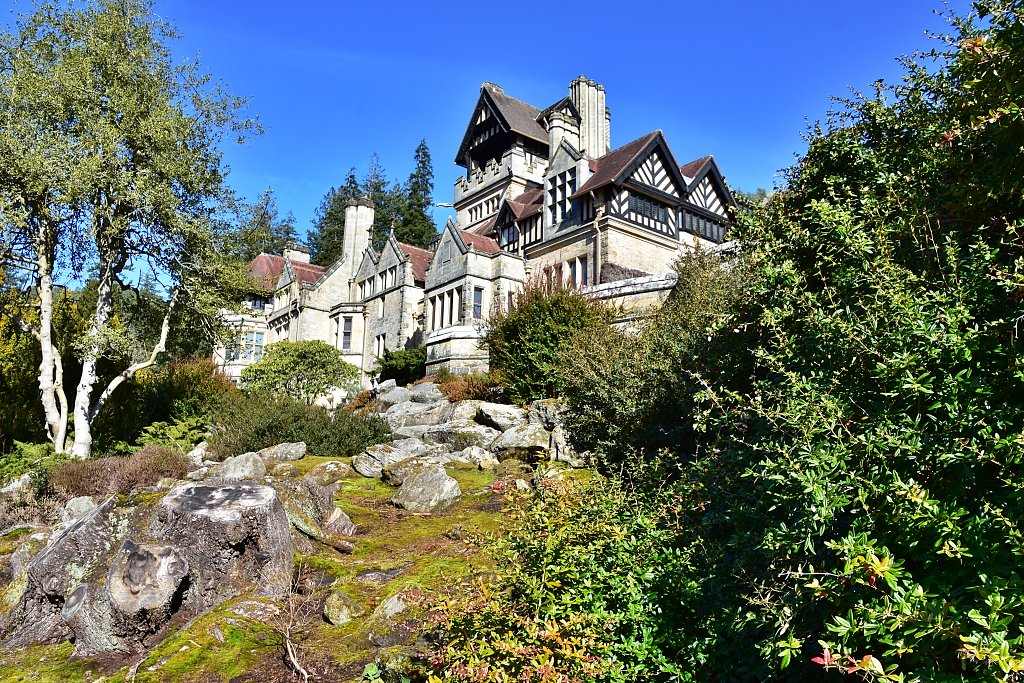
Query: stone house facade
[[543, 196]]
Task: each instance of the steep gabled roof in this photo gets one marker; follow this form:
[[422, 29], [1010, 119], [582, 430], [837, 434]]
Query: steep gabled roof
[[420, 260], [267, 268], [485, 228], [527, 204], [693, 168], [514, 115], [614, 166], [484, 245]]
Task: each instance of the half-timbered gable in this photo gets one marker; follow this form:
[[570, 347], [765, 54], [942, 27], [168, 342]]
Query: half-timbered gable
[[708, 205]]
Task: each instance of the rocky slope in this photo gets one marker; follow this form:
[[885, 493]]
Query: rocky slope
[[270, 563]]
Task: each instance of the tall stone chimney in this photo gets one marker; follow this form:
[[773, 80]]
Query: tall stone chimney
[[588, 97], [296, 253], [358, 221]]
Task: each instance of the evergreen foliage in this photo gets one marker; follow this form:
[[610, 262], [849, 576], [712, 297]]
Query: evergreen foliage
[[327, 238], [303, 370], [416, 226], [404, 366], [262, 229], [526, 339]]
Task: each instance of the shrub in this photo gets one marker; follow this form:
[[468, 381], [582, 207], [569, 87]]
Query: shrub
[[633, 391], [117, 475], [258, 421], [526, 339], [304, 370], [585, 591], [404, 366], [484, 386]]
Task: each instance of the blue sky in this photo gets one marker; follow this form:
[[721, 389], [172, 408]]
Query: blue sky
[[333, 82]]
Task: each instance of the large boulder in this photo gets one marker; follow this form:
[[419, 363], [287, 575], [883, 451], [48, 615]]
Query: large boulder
[[311, 510], [528, 442], [428, 392], [389, 397], [411, 414], [198, 455], [429, 490], [244, 467], [461, 410], [481, 457], [501, 416], [373, 461], [396, 473], [116, 576], [456, 436], [284, 452], [340, 609], [546, 412], [330, 472]]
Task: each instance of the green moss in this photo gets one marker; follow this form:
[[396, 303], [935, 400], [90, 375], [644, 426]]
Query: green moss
[[10, 541], [195, 654], [45, 664]]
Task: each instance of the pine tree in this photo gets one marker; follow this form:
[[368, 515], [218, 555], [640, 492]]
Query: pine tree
[[416, 226], [388, 199]]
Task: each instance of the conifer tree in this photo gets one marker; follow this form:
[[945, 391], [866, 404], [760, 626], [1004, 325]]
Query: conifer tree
[[327, 238], [417, 227]]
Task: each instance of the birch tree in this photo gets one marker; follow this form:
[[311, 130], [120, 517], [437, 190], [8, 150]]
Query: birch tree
[[111, 163]]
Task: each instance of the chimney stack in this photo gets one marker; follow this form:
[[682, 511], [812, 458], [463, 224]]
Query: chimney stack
[[588, 96]]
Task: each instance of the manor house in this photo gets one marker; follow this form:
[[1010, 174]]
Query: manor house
[[543, 196]]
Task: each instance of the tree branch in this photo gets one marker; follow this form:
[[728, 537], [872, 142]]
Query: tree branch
[[130, 371]]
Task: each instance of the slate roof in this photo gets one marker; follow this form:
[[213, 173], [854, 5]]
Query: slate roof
[[691, 169], [267, 268], [527, 204], [420, 260], [606, 169], [485, 228], [520, 116], [485, 245]]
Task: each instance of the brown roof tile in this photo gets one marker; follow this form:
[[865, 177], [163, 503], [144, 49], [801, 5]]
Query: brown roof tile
[[485, 228], [267, 268], [520, 116], [482, 244], [607, 168], [307, 272], [691, 169], [420, 260], [527, 204]]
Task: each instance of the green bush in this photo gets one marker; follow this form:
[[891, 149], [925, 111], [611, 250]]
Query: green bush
[[404, 366], [526, 339], [303, 370], [250, 423], [585, 590], [634, 391]]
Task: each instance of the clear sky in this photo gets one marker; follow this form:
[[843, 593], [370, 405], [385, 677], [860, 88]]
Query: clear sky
[[333, 82]]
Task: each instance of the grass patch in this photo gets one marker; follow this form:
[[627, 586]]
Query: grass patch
[[45, 664]]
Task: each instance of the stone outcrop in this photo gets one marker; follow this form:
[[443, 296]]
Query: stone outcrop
[[427, 490], [114, 577]]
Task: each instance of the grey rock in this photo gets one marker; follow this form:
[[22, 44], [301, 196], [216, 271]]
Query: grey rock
[[310, 509], [244, 467], [284, 452], [396, 473], [340, 609], [77, 507], [20, 559], [284, 469], [427, 392], [410, 414], [480, 457], [561, 451], [501, 416], [373, 461], [430, 490], [389, 397], [17, 485], [391, 607], [386, 385], [529, 442], [330, 472], [462, 410], [198, 474], [411, 432], [198, 455], [456, 436], [523, 486], [546, 412]]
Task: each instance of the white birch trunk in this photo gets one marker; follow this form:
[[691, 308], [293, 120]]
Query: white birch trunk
[[51, 370]]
